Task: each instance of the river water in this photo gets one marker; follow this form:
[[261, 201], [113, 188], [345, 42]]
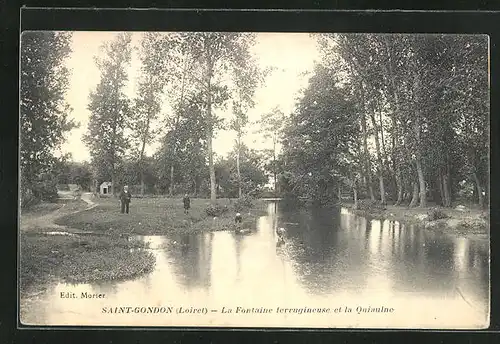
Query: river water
[[336, 270]]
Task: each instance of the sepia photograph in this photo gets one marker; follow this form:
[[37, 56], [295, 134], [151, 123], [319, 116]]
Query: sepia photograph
[[254, 180]]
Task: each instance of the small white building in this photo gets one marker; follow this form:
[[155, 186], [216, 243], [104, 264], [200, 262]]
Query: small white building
[[105, 188]]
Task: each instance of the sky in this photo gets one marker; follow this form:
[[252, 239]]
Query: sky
[[292, 54]]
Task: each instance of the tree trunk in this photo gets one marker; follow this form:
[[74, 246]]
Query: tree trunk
[[421, 180], [213, 193], [399, 185], [440, 183], [141, 163], [446, 189], [380, 160], [487, 189], [474, 191], [367, 158], [417, 87], [211, 167], [397, 167], [415, 196], [382, 140], [418, 163], [355, 195], [113, 182], [366, 154], [274, 166], [171, 188], [395, 131], [142, 183], [238, 164], [449, 181], [177, 119], [339, 192], [479, 190]]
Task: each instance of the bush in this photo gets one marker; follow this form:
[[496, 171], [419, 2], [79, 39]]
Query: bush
[[63, 187], [42, 189], [28, 199], [436, 214], [472, 226], [485, 216], [242, 203], [267, 194], [216, 210], [368, 204]]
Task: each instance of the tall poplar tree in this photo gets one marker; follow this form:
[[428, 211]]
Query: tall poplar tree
[[220, 56], [110, 109], [147, 105]]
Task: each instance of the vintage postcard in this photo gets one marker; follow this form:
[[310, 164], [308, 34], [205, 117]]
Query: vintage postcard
[[243, 179]]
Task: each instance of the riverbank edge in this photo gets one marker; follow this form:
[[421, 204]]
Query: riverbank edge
[[69, 257], [464, 223]]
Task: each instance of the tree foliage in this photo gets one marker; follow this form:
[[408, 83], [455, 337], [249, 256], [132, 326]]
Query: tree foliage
[[416, 109], [222, 65], [251, 178], [43, 109]]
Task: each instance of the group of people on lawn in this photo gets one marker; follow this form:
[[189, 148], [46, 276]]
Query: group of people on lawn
[[126, 196]]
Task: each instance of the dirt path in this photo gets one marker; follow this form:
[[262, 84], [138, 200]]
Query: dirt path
[[33, 222]]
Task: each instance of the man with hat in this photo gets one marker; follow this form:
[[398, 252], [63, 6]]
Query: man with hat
[[125, 198]]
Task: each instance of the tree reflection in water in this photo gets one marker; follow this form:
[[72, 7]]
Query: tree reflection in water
[[191, 257], [334, 250]]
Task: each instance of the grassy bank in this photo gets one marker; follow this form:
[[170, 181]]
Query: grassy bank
[[41, 209], [155, 216], [73, 258], [46, 258], [467, 220]]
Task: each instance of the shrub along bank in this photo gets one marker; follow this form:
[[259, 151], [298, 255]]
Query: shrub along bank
[[459, 219]]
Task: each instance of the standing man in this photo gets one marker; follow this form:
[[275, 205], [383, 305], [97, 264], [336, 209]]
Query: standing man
[[187, 203], [125, 198]]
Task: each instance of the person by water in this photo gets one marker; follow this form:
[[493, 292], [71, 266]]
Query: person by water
[[281, 236], [187, 203], [125, 198], [237, 222]]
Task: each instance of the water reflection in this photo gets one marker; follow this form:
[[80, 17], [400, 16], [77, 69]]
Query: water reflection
[[190, 256], [331, 257]]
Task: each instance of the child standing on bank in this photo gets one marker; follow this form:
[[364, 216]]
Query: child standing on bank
[[187, 203]]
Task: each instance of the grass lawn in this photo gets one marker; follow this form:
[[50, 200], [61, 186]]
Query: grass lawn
[[41, 209], [154, 216], [47, 258]]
